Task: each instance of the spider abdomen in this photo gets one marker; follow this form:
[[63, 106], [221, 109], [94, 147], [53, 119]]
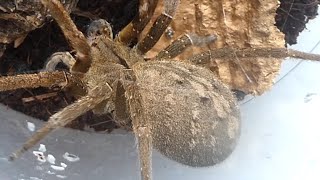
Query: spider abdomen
[[194, 118]]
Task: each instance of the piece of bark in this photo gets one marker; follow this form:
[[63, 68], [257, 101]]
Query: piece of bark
[[238, 24]]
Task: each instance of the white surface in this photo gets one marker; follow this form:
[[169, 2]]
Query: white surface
[[279, 141]]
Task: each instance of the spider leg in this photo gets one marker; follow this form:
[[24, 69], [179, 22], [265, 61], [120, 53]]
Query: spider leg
[[64, 57], [142, 131], [42, 79], [182, 43], [143, 134], [158, 27], [75, 37], [135, 27], [63, 117], [229, 53]]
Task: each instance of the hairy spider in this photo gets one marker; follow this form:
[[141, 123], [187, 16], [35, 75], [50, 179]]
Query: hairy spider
[[179, 108]]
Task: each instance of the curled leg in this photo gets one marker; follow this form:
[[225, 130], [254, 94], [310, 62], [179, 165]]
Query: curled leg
[[42, 79], [62, 118], [158, 27], [59, 57], [182, 43]]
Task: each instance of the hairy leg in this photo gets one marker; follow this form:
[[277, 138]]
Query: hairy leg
[[135, 27], [63, 117], [75, 37], [142, 131], [158, 27], [229, 53], [42, 79], [143, 134], [182, 43]]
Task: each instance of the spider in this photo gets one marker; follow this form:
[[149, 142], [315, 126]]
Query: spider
[[177, 107]]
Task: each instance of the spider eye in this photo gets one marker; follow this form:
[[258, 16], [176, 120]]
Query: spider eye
[[98, 28]]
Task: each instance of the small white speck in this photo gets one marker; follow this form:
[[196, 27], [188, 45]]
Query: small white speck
[[51, 159], [50, 172], [31, 126], [42, 148], [61, 176], [35, 178], [63, 165], [57, 168], [40, 156], [71, 157]]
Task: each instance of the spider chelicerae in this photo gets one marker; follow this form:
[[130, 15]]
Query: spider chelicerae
[[177, 107]]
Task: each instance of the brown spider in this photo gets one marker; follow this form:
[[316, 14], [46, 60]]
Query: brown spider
[[180, 109]]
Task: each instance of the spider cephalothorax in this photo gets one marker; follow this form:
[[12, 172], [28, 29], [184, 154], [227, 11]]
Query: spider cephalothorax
[[179, 108]]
